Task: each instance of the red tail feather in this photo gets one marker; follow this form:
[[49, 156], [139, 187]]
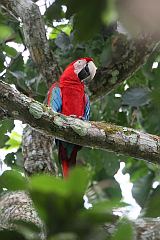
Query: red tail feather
[[67, 162], [65, 168]]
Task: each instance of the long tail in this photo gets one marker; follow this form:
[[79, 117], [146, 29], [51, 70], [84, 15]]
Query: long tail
[[67, 156]]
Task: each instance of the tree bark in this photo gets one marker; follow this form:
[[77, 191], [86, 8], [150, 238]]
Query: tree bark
[[37, 152], [101, 135], [143, 229], [18, 206], [127, 56], [3, 114], [34, 35]]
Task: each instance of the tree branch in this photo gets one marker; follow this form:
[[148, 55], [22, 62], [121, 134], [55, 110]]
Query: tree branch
[[90, 134], [18, 206], [35, 36], [3, 114], [127, 56], [144, 228]]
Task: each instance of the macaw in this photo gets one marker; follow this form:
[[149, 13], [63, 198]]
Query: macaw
[[68, 97]]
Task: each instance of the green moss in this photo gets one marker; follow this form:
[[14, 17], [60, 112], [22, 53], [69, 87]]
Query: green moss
[[108, 128], [80, 127], [59, 121], [113, 80], [36, 110], [115, 73], [128, 131]]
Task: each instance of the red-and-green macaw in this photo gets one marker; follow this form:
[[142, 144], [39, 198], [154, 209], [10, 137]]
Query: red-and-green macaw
[[68, 97]]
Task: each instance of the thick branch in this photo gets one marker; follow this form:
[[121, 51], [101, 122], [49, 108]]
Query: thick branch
[[90, 134], [35, 35], [18, 206], [144, 228], [127, 56], [3, 114]]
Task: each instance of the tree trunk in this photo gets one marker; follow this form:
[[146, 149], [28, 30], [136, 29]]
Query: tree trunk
[[37, 152]]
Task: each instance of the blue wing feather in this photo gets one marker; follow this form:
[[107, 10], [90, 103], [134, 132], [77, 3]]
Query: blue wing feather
[[87, 108], [56, 100]]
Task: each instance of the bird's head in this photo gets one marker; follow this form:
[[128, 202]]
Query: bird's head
[[79, 71], [84, 68]]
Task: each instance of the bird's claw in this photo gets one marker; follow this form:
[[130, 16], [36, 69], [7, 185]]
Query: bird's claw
[[74, 116]]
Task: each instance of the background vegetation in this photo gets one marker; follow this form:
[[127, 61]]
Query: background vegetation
[[76, 29]]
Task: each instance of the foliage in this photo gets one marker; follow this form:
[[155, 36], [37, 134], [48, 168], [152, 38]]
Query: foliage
[[84, 29], [60, 205]]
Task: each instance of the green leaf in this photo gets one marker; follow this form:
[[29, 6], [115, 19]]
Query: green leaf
[[3, 140], [5, 32], [57, 199], [87, 17], [11, 235], [10, 51], [2, 59], [142, 187], [152, 208], [55, 11], [14, 141], [113, 191], [82, 24], [136, 97], [136, 169], [10, 159], [12, 180], [99, 160], [89, 218], [124, 231], [108, 206], [64, 236], [110, 14], [18, 64], [78, 181], [48, 184], [5, 127]]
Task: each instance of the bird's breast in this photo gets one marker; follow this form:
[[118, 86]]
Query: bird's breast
[[73, 101]]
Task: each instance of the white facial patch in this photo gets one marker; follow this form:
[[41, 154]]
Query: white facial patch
[[79, 65], [92, 69]]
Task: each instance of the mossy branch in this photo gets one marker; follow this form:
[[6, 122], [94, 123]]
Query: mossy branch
[[100, 135], [127, 56]]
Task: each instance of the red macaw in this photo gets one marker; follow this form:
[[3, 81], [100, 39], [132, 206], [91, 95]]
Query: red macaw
[[68, 97]]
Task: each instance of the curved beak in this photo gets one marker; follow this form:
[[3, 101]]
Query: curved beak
[[84, 73]]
